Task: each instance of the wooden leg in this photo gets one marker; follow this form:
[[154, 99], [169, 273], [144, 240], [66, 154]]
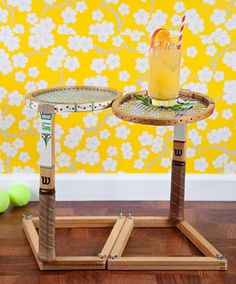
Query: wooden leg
[[47, 185], [178, 174]]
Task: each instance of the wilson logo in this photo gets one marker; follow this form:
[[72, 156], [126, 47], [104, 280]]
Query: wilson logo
[[46, 180], [178, 152]]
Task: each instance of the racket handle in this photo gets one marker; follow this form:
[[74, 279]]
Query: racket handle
[[177, 190], [47, 227], [178, 174], [47, 184]]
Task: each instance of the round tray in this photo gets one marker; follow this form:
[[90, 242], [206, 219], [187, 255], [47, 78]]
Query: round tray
[[73, 99], [128, 108]]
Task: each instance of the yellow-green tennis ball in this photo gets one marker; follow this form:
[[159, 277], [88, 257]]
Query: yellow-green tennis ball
[[4, 201], [19, 194]]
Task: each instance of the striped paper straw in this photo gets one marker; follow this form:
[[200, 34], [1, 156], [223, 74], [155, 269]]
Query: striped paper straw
[[181, 31]]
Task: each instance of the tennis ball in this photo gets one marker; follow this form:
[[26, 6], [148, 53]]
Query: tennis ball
[[4, 201], [19, 194]]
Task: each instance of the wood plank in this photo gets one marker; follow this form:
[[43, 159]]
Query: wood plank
[[32, 237], [113, 237], [166, 263], [123, 238], [75, 263], [81, 221], [153, 221], [198, 240]]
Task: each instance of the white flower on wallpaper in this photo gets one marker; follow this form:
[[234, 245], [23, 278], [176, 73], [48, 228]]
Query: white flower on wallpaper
[[218, 17], [109, 165], [220, 161], [112, 151], [227, 114], [157, 20], [78, 43], [81, 6], [191, 51], [127, 152], [201, 164], [122, 132], [144, 153], [194, 22], [194, 137], [102, 30], [141, 17], [179, 6], [138, 164], [69, 15], [63, 160], [75, 135], [113, 61], [219, 135], [219, 76], [90, 120], [6, 121], [230, 91], [65, 30], [124, 75], [190, 152], [211, 50], [230, 59], [205, 74], [104, 134], [9, 39], [123, 9], [50, 2], [24, 157], [117, 40], [221, 37], [157, 144], [23, 6], [92, 143], [166, 162], [98, 65], [96, 81], [3, 15], [145, 139], [15, 98], [41, 34], [231, 23]]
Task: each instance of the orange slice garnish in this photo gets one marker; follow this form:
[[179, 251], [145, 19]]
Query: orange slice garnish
[[162, 36]]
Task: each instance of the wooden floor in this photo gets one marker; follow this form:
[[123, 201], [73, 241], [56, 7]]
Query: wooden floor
[[215, 220]]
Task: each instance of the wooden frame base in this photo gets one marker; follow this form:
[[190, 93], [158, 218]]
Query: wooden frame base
[[212, 259], [30, 224], [111, 255]]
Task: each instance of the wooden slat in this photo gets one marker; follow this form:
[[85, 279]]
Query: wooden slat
[[153, 221], [166, 263], [75, 262], [81, 221], [33, 238], [198, 240], [123, 238], [112, 237]]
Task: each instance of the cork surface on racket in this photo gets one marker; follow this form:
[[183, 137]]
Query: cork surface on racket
[[128, 108], [73, 99]]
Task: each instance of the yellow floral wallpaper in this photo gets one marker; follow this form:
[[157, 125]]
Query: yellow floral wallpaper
[[45, 43]]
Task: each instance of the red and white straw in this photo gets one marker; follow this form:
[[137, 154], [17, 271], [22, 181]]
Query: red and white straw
[[181, 31]]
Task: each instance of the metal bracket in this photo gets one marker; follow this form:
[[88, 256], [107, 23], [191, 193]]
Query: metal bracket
[[102, 256], [121, 215], [130, 216], [112, 257], [26, 217], [221, 257]]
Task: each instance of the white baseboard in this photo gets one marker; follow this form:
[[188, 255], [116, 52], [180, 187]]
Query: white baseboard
[[213, 187]]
